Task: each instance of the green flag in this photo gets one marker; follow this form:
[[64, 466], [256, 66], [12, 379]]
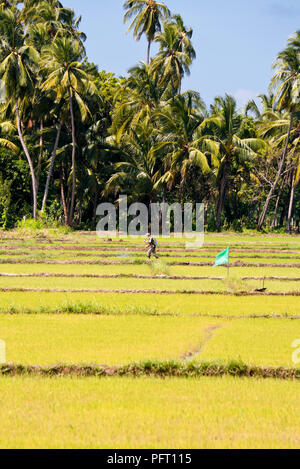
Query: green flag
[[222, 258]]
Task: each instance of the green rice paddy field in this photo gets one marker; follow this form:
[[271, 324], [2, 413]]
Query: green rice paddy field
[[78, 300]]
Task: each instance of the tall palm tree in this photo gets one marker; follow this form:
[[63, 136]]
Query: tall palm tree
[[139, 168], [67, 78], [98, 156], [42, 12], [293, 178], [70, 25], [184, 37], [172, 62], [267, 102], [297, 177], [147, 17], [138, 98], [233, 150], [56, 19], [274, 128], [287, 82], [52, 161], [183, 139], [17, 71]]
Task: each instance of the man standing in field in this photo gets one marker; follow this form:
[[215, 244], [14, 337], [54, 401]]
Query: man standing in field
[[151, 246]]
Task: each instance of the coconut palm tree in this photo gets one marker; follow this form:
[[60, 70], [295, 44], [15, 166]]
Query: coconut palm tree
[[139, 168], [172, 62], [233, 150], [147, 17], [52, 161], [70, 25], [184, 37], [183, 140], [267, 103], [295, 165], [67, 78], [286, 81], [55, 19], [98, 154], [41, 12], [17, 71], [275, 129], [138, 98], [297, 177]]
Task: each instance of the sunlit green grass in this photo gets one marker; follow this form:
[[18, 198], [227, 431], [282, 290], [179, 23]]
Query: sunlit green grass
[[145, 269], [138, 251], [50, 339], [148, 412], [126, 413], [157, 284], [263, 342], [223, 240], [98, 257], [175, 304], [177, 259]]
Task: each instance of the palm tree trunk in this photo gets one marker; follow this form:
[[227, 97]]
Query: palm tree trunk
[[284, 211], [95, 200], [221, 197], [51, 167], [25, 149], [206, 209], [274, 222], [179, 86], [71, 214], [63, 198], [173, 88], [272, 190], [148, 51], [288, 228], [38, 171]]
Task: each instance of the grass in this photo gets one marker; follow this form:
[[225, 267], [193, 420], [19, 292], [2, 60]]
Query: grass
[[155, 369], [159, 335], [175, 304], [264, 342], [134, 259], [149, 413], [159, 267], [87, 307], [107, 283], [211, 240], [259, 250], [98, 252], [146, 270], [48, 339], [235, 285]]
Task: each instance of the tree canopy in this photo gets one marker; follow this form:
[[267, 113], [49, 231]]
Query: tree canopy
[[73, 135]]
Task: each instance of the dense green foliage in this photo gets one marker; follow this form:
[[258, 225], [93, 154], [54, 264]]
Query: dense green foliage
[[72, 136]]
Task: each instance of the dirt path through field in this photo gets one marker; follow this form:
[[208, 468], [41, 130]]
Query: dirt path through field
[[153, 292], [141, 262], [208, 335], [138, 276]]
